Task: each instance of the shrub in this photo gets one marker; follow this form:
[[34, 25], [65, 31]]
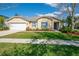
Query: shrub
[[75, 30], [43, 29], [3, 27], [66, 29]]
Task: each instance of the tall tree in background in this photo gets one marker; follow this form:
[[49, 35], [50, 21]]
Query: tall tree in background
[[69, 21], [66, 8], [72, 14], [1, 20], [69, 9]]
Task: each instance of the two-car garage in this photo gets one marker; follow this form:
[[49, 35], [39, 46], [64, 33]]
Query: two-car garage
[[18, 26], [18, 23]]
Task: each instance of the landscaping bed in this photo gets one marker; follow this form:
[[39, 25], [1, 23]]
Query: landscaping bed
[[74, 33], [11, 49]]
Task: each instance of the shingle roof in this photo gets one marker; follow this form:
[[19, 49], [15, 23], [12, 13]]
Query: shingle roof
[[24, 18], [34, 18]]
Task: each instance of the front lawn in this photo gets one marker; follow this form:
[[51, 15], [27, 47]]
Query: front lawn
[[42, 35], [11, 49]]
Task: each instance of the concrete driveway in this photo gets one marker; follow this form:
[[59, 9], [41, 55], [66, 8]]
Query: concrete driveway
[[3, 33]]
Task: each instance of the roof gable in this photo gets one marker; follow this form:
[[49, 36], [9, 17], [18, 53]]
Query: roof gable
[[48, 17], [32, 19], [17, 19]]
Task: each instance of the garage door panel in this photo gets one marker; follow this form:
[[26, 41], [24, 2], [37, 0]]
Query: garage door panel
[[18, 26]]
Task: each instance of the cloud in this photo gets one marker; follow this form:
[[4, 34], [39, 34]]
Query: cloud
[[52, 4], [53, 14], [57, 12], [7, 6], [48, 14], [62, 8], [65, 9], [77, 14]]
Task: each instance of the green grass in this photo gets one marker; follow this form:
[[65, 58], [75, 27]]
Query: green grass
[[42, 35], [11, 49]]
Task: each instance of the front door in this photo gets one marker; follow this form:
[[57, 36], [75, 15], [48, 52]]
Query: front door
[[56, 25]]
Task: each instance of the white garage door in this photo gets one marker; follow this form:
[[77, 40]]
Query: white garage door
[[18, 26]]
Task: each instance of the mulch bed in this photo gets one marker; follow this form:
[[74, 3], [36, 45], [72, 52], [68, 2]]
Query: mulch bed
[[73, 33]]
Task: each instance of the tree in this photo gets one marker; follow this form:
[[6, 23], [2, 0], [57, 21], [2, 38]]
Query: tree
[[70, 11], [1, 20], [73, 15], [69, 21], [16, 14]]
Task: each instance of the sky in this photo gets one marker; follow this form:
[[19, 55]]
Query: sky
[[27, 9], [32, 9]]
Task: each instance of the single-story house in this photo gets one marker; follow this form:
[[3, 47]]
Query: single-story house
[[42, 22], [76, 22]]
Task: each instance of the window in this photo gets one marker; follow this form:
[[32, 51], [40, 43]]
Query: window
[[34, 24], [44, 24]]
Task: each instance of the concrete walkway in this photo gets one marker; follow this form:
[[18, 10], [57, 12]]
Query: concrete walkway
[[39, 41], [3, 33]]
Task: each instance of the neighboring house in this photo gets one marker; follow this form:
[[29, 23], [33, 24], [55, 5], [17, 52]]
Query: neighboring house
[[76, 25], [43, 22], [76, 22]]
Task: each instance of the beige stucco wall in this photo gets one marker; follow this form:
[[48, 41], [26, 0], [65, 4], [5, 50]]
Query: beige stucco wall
[[50, 22], [31, 27], [44, 20], [60, 25]]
